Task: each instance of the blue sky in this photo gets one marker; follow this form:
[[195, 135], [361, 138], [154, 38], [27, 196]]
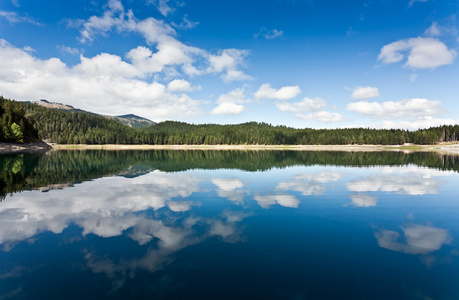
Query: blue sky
[[300, 63]]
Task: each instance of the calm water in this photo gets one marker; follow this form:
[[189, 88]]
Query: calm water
[[229, 225]]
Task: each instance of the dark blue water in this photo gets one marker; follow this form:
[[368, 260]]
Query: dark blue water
[[300, 231]]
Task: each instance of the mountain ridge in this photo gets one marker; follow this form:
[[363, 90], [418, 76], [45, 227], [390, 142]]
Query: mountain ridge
[[130, 120]]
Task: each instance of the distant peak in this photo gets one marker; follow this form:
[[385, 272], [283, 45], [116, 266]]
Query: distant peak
[[132, 120], [131, 116], [46, 103]]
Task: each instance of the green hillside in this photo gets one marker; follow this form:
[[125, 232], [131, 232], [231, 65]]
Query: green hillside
[[14, 124], [25, 121]]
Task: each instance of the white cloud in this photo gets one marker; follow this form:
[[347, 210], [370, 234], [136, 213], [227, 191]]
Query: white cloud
[[409, 108], [417, 239], [322, 116], [309, 184], [433, 30], [13, 17], [69, 50], [423, 122], [181, 85], [284, 93], [422, 53], [109, 216], [229, 188], [307, 109], [365, 92], [108, 207], [104, 84], [228, 109], [411, 181], [360, 200], [180, 206], [231, 103], [166, 7], [283, 200], [170, 51], [235, 75], [269, 34], [186, 24], [227, 184], [227, 62], [307, 104]]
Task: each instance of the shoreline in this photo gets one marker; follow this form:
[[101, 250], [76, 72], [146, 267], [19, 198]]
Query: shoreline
[[26, 147], [447, 148]]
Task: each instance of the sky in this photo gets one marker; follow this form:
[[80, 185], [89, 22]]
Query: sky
[[299, 63]]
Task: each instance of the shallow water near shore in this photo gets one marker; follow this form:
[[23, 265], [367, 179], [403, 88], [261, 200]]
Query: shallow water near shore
[[229, 225]]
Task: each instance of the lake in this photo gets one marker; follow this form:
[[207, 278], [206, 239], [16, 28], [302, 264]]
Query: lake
[[229, 225]]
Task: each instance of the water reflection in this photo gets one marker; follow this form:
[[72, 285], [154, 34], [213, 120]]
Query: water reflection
[[105, 207], [309, 184], [171, 239], [290, 228], [361, 200], [414, 239], [283, 200], [230, 188], [407, 180]]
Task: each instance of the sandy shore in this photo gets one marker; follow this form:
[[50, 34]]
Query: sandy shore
[[447, 148], [26, 147], [224, 147]]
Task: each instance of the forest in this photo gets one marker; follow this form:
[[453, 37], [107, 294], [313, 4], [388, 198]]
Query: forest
[[26, 122], [57, 169]]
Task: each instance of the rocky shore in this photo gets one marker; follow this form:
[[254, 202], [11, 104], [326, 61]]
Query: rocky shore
[[25, 147]]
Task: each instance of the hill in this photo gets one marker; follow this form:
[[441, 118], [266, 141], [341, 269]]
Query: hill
[[134, 121], [15, 127], [63, 124], [129, 120]]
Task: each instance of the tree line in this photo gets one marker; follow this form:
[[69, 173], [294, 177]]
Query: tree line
[[14, 124], [24, 121], [29, 171]]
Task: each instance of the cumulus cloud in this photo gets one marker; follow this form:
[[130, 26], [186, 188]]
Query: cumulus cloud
[[229, 188], [109, 216], [269, 34], [69, 50], [360, 200], [309, 184], [228, 108], [178, 234], [284, 93], [227, 62], [409, 181], [417, 239], [307, 104], [421, 53], [231, 103], [322, 116], [104, 83], [181, 85], [423, 122], [408, 108], [365, 92], [283, 200], [308, 109], [433, 30], [170, 51]]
